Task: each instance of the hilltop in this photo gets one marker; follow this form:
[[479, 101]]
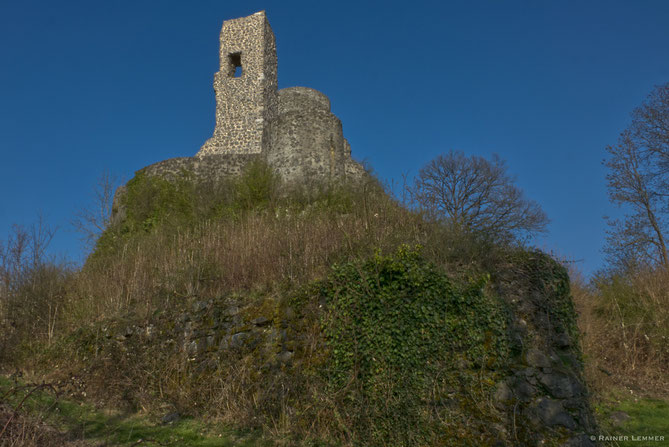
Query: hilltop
[[271, 285], [335, 316]]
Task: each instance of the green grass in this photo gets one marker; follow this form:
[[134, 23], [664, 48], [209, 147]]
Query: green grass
[[82, 422], [647, 417]]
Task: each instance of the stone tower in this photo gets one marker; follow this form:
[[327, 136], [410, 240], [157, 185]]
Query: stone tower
[[292, 129], [246, 88]]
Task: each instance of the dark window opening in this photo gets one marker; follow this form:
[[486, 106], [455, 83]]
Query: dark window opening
[[236, 62]]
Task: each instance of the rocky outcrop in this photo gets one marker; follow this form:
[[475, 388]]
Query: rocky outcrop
[[541, 398], [544, 396]]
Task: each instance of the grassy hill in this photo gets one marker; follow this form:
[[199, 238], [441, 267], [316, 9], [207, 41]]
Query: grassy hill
[[319, 315]]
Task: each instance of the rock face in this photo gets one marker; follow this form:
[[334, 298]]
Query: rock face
[[292, 129], [539, 398], [544, 395]]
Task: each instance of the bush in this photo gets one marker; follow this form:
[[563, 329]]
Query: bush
[[257, 187], [150, 200], [625, 321], [32, 291]]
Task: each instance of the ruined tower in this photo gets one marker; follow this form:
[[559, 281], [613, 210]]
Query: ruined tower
[[292, 129], [246, 88]]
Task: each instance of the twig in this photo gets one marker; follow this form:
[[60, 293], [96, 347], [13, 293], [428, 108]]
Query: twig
[[141, 441], [16, 410]]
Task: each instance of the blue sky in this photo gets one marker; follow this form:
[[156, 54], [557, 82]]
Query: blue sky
[[92, 86]]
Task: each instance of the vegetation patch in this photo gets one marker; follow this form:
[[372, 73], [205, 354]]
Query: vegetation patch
[[622, 415], [37, 415], [313, 316], [409, 350]]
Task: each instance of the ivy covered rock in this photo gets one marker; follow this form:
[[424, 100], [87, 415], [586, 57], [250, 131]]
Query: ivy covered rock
[[387, 350]]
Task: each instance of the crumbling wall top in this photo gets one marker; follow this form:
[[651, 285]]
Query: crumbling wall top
[[302, 98]]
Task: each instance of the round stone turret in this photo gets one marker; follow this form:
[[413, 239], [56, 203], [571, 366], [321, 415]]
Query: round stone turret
[[293, 99]]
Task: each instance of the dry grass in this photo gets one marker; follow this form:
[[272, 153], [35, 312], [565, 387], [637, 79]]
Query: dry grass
[[624, 322], [259, 249], [19, 430]]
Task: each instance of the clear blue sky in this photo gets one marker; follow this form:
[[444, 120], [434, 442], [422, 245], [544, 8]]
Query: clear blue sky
[[89, 86]]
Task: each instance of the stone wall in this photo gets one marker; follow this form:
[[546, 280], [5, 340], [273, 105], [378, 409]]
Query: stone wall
[[307, 139], [293, 128], [540, 398], [544, 396], [247, 103], [213, 167]]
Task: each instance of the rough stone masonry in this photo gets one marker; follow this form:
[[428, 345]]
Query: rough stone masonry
[[293, 128]]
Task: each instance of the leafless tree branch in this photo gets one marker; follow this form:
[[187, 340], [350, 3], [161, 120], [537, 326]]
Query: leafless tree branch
[[91, 221], [476, 195], [638, 181]]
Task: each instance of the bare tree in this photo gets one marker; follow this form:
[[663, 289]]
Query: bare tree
[[24, 252], [91, 221], [650, 127], [638, 181], [476, 195], [30, 284]]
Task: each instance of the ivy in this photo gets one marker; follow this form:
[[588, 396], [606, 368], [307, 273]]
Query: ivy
[[393, 325]]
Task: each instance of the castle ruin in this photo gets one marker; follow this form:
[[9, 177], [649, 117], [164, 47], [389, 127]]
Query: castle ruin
[[292, 129]]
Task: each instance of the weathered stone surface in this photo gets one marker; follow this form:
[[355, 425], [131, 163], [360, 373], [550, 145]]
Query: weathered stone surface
[[237, 340], [503, 394], [170, 418], [285, 356], [550, 412], [261, 321], [199, 306], [212, 167], [560, 386], [231, 311], [245, 86], [549, 395], [563, 340], [307, 139], [538, 359], [524, 390], [191, 348]]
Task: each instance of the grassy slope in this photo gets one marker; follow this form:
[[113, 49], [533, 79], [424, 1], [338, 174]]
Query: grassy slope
[[193, 244], [647, 417], [84, 425]]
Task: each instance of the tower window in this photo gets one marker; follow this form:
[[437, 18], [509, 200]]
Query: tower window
[[236, 64]]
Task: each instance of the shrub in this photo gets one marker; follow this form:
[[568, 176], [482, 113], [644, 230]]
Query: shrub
[[625, 322], [257, 187], [32, 291]]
